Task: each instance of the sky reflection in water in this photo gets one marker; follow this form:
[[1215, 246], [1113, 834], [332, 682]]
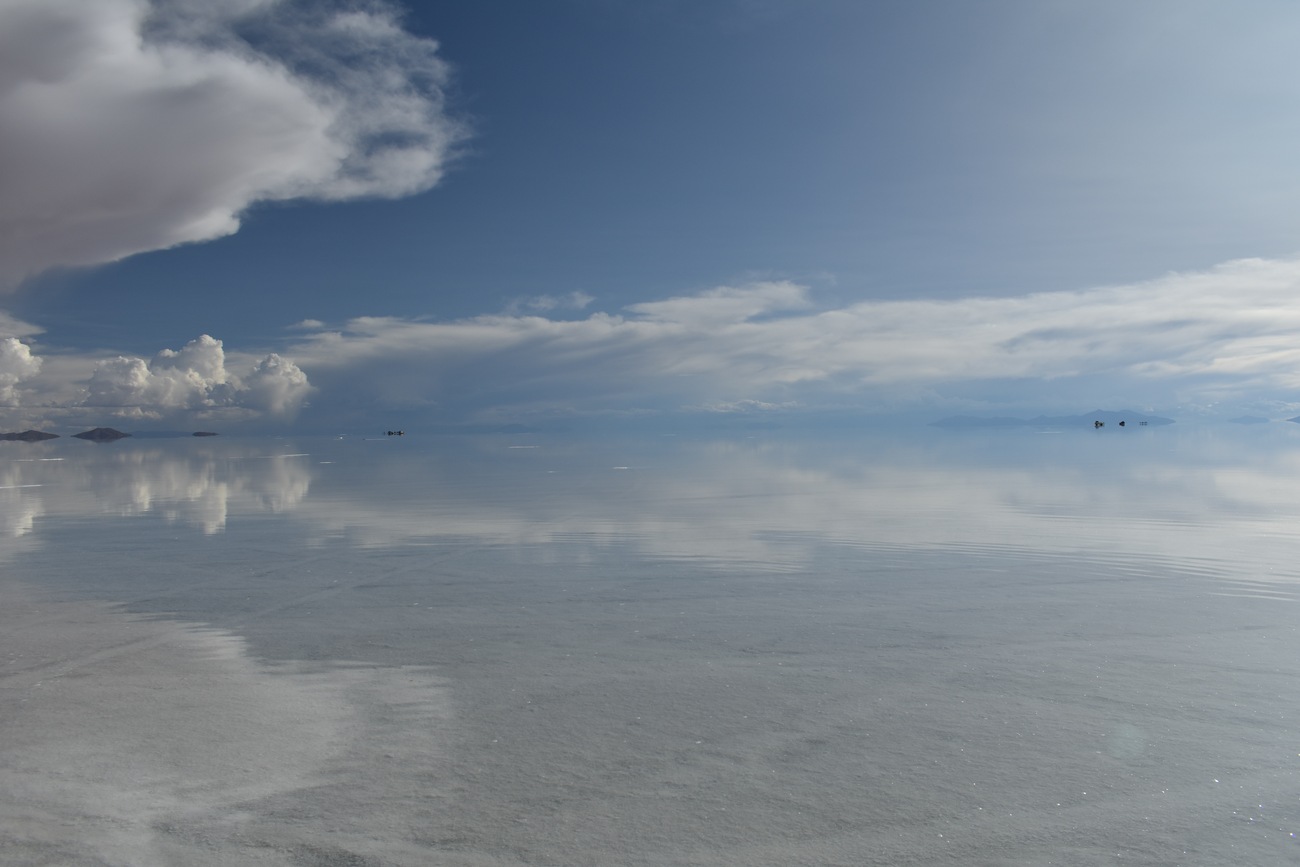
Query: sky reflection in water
[[1218, 500], [941, 648]]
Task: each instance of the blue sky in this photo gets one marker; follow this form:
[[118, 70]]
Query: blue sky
[[262, 213]]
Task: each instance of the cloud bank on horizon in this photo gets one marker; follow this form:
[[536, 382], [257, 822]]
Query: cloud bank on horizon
[[195, 380], [197, 383], [135, 125], [1219, 336]]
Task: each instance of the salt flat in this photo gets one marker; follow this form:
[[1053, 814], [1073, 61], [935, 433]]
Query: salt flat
[[745, 651]]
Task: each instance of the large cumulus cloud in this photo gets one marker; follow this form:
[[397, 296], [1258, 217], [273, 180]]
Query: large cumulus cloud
[[17, 363], [196, 381], [135, 125]]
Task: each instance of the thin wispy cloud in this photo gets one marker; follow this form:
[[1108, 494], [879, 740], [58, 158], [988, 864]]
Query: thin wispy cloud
[[768, 344], [136, 125], [548, 303], [11, 326]]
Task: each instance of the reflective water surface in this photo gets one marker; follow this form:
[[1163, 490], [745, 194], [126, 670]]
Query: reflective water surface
[[934, 648]]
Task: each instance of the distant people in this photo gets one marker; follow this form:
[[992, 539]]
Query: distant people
[[396, 433], [1121, 422], [1097, 424]]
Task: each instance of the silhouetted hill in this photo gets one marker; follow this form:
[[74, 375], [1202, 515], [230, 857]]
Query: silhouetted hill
[[101, 435], [29, 436]]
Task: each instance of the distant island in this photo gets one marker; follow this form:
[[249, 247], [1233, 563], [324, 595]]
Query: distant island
[[101, 435], [29, 436], [1106, 417]]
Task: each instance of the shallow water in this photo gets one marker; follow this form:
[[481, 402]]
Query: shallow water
[[994, 648]]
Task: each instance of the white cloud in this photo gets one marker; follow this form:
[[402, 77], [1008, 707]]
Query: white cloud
[[547, 303], [135, 125], [16, 365], [13, 327], [766, 345], [1206, 341], [195, 380], [726, 304], [748, 405], [276, 386]]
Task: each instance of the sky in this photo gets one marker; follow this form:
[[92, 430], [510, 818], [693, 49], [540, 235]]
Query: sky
[[337, 216]]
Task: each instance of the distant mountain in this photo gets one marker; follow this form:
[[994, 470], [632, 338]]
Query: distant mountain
[[29, 436], [1106, 417], [101, 435]]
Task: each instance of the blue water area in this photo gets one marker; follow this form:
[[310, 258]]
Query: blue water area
[[931, 647]]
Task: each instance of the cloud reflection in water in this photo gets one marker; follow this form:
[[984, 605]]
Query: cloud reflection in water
[[1218, 501]]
